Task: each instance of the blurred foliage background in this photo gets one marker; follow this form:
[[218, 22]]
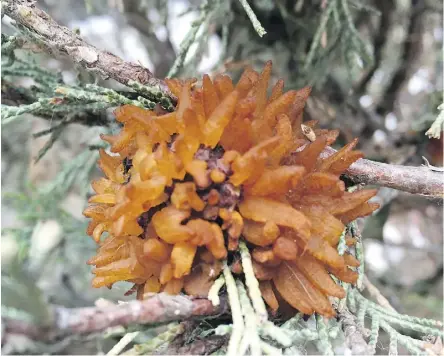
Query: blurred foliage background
[[376, 70]]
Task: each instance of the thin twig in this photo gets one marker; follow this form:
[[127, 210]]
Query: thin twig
[[43, 29], [354, 333], [254, 21], [38, 25], [429, 166], [375, 293], [189, 40], [414, 180], [317, 37], [157, 309]]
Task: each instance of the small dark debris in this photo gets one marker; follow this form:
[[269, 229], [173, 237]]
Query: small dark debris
[[144, 219], [127, 164], [229, 195]]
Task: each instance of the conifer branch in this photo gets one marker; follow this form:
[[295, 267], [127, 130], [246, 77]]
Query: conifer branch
[[414, 180], [47, 33], [157, 309]]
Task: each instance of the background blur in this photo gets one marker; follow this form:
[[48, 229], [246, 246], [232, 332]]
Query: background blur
[[377, 75]]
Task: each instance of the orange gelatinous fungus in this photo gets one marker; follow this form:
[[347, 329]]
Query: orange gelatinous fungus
[[268, 294], [231, 163], [200, 280], [182, 257], [260, 234], [286, 249], [156, 250]]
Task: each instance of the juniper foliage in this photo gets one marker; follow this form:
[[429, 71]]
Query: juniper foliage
[[315, 38]]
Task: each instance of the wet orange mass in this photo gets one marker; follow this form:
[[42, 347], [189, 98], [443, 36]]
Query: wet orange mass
[[230, 163]]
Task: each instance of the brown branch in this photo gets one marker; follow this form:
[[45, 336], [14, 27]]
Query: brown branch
[[60, 40], [414, 180], [157, 309], [375, 293], [354, 333]]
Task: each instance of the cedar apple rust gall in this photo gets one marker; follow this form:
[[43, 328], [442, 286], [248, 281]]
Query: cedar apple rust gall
[[231, 162]]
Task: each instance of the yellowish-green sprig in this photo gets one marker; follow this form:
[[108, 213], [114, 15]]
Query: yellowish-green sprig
[[388, 320], [281, 336], [317, 37], [163, 338], [302, 335], [9, 113], [251, 336], [151, 94], [362, 310], [292, 323], [374, 332], [252, 283], [190, 38], [324, 344], [236, 312], [123, 342], [213, 293]]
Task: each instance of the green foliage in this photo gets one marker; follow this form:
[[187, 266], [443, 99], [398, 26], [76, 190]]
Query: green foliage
[[317, 41], [21, 298], [39, 204], [397, 326], [315, 37], [50, 97], [337, 25], [209, 11], [163, 338]]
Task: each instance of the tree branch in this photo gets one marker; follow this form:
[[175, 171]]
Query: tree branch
[[414, 180], [158, 309], [60, 40]]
